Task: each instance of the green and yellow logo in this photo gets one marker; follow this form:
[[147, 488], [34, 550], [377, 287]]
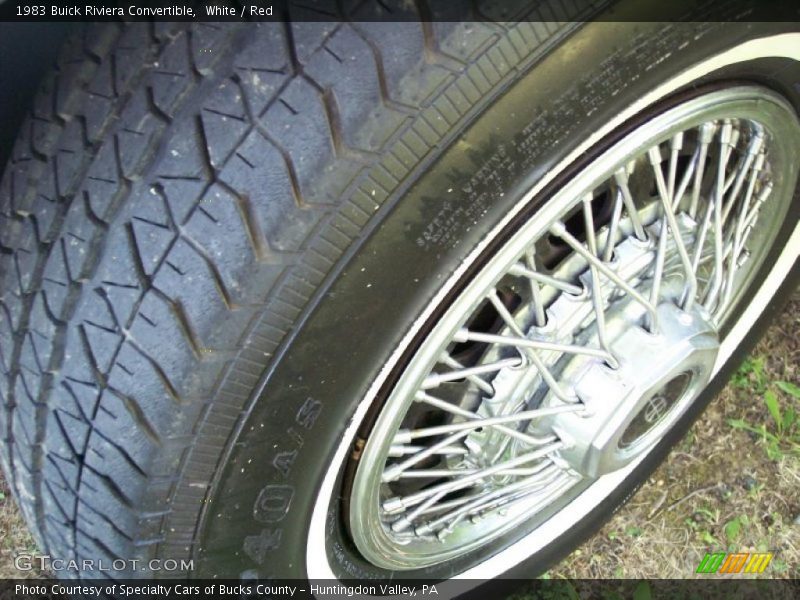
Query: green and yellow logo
[[731, 563]]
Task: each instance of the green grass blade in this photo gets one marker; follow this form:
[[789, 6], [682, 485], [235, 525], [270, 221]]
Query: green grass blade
[[789, 388], [771, 400]]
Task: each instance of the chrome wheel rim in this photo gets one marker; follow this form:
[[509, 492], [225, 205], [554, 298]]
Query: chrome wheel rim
[[425, 494]]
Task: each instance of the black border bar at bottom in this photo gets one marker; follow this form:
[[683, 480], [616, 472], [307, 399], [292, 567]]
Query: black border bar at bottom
[[538, 589]]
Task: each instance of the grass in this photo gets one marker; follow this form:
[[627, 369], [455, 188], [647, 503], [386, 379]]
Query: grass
[[14, 536], [782, 435], [732, 484]]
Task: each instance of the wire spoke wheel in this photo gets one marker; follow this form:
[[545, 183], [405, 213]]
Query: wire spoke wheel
[[584, 337]]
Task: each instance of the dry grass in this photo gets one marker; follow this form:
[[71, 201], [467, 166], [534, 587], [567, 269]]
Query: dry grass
[[716, 476], [14, 536]]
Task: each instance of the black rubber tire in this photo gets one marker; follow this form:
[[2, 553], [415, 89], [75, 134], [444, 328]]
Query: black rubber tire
[[175, 200], [193, 275]]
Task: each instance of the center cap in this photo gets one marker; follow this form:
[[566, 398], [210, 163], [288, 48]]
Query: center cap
[[656, 408], [630, 407]]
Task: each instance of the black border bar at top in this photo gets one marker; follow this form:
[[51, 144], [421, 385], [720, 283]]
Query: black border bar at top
[[392, 10]]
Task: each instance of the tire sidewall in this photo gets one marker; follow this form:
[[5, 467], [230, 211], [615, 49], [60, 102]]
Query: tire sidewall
[[258, 520]]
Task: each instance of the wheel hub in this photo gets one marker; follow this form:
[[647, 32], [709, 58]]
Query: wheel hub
[[629, 407]]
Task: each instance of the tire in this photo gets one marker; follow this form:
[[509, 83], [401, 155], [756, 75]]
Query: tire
[[216, 241]]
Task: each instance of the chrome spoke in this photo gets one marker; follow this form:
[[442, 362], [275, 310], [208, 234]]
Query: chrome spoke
[[687, 177], [700, 237], [451, 486], [613, 228], [597, 291], [621, 178], [437, 379], [404, 436], [397, 451], [676, 143], [454, 364], [668, 207], [398, 469], [666, 198], [658, 272], [521, 342], [753, 150], [483, 501], [706, 135], [464, 335], [461, 412], [748, 196], [753, 214], [559, 230], [559, 284], [536, 292], [739, 235], [726, 148]]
